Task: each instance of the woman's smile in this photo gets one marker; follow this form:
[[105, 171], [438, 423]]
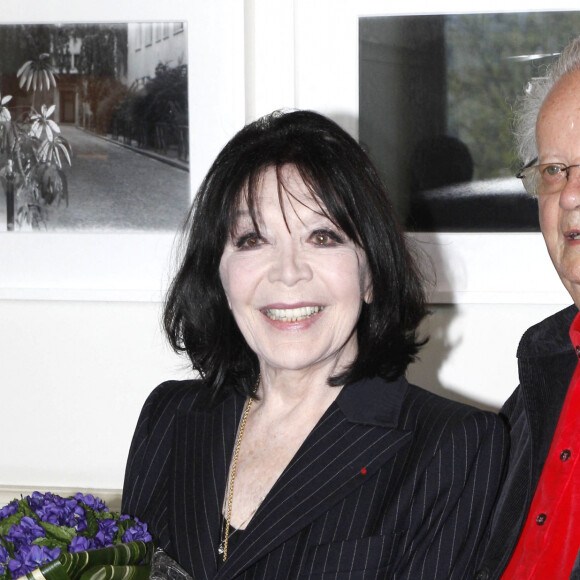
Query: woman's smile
[[292, 314]]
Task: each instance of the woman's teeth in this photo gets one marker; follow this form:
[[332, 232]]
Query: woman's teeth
[[292, 314]]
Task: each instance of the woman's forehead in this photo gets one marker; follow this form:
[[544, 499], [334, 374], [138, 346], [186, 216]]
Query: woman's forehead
[[282, 189]]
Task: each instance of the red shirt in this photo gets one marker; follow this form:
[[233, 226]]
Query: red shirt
[[550, 540]]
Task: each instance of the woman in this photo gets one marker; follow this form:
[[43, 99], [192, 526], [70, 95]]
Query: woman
[[303, 451]]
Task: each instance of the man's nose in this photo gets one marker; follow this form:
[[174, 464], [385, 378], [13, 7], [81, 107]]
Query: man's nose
[[570, 195]]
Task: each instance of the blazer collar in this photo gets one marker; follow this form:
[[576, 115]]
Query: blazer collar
[[373, 401]]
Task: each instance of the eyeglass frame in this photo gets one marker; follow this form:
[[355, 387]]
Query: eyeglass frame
[[521, 175]]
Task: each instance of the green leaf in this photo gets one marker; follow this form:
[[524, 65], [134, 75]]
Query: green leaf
[[92, 524], [50, 543], [61, 533], [117, 573], [123, 555], [24, 506], [8, 522]]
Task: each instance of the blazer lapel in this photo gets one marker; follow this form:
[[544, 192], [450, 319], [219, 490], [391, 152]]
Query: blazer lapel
[[204, 444], [346, 447]]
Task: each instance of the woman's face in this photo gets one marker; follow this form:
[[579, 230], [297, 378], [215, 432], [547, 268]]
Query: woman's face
[[296, 288]]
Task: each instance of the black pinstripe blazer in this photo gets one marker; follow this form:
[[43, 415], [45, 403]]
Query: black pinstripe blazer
[[393, 482]]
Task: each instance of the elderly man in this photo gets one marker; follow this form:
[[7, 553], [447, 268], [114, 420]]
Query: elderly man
[[535, 531]]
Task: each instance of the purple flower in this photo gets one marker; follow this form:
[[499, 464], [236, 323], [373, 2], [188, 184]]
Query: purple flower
[[60, 512], [24, 532], [80, 544], [9, 509], [3, 559], [30, 557], [37, 499], [57, 510], [93, 502], [106, 533], [137, 532]]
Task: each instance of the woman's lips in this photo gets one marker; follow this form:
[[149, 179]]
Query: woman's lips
[[292, 314]]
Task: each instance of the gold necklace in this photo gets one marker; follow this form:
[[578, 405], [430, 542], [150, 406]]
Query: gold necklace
[[223, 546]]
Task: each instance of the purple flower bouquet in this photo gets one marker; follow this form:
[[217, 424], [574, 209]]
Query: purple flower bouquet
[[45, 536]]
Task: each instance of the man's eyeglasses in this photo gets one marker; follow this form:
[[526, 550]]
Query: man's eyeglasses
[[546, 178]]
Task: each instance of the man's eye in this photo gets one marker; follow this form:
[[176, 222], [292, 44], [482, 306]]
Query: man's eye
[[552, 170]]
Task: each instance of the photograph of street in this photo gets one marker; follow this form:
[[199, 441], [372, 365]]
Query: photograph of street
[[94, 127]]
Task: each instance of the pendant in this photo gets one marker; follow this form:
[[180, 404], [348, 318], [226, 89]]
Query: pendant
[[221, 549]]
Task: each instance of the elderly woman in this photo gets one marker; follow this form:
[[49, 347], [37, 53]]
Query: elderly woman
[[302, 451]]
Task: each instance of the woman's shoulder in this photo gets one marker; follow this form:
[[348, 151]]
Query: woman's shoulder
[[176, 392], [428, 401], [169, 399], [428, 411]]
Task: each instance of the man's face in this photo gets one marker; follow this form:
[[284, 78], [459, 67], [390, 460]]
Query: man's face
[[558, 137]]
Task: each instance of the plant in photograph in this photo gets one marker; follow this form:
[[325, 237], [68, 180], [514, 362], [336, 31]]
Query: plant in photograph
[[69, 534], [34, 150], [155, 113]]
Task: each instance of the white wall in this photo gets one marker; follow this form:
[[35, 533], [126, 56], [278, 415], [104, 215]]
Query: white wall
[[74, 371], [74, 375]]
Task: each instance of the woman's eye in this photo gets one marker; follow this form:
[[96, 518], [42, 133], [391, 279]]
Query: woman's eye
[[249, 241], [326, 238]]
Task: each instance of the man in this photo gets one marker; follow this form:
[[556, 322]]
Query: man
[[535, 530]]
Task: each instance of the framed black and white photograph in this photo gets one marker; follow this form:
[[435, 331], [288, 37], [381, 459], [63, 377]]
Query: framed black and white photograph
[[94, 131], [110, 115]]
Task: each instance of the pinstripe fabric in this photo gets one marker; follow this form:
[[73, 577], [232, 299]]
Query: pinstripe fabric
[[416, 511]]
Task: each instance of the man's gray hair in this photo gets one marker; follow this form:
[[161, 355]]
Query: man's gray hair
[[535, 95]]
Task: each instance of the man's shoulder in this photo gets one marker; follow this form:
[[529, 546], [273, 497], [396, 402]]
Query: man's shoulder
[[550, 336]]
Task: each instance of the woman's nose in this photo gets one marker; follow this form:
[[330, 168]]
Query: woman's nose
[[290, 265]]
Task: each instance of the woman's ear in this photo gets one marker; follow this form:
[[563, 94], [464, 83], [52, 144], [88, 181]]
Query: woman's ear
[[368, 293], [366, 285]]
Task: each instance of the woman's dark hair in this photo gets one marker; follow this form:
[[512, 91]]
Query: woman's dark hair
[[345, 184]]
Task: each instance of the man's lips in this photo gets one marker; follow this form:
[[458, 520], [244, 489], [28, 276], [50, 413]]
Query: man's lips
[[572, 235]]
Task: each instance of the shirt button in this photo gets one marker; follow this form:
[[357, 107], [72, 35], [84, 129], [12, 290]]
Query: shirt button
[[541, 519], [578, 351], [482, 574], [565, 455]]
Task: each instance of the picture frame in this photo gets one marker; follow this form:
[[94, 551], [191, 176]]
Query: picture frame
[[132, 266], [467, 267]]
